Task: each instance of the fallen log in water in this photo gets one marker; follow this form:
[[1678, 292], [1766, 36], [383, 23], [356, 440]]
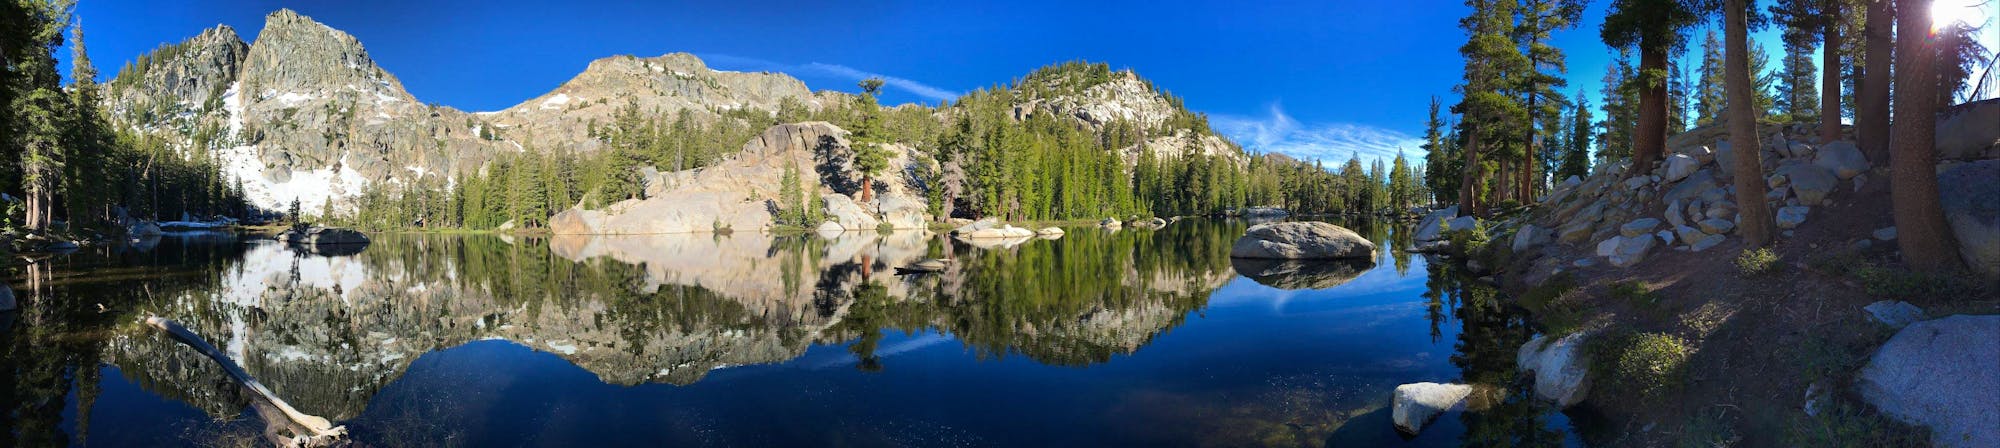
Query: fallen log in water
[[310, 430]]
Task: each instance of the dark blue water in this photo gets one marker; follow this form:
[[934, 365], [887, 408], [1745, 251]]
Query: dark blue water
[[1132, 338]]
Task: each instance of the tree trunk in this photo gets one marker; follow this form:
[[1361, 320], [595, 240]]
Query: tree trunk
[[1871, 107], [1829, 77], [867, 189], [1468, 177], [1753, 216], [1913, 191], [1528, 176], [1651, 142]]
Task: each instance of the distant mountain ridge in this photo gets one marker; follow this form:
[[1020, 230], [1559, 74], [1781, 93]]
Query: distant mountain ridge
[[304, 114]]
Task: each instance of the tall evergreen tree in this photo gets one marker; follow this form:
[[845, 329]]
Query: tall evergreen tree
[[1539, 83], [1754, 220], [1927, 243], [1490, 115], [1621, 113], [1798, 97], [1708, 91], [1656, 28], [1576, 148]]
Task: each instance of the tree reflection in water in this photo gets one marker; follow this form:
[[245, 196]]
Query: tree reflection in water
[[330, 333]]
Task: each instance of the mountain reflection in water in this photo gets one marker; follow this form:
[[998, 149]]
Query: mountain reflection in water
[[1099, 337]]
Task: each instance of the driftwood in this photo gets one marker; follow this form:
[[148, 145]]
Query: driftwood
[[308, 430]]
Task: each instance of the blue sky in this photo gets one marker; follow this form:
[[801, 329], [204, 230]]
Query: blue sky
[[1312, 79]]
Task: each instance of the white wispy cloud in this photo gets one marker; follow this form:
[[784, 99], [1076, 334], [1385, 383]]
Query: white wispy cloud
[[1332, 142], [926, 91]]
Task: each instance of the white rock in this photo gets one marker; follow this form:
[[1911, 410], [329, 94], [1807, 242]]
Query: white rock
[[1561, 373], [1417, 403], [1680, 166]]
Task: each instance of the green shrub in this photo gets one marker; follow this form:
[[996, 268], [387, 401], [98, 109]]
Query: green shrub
[[1468, 241], [1634, 292], [1649, 364], [1757, 262], [1898, 284], [1844, 424], [1554, 304]]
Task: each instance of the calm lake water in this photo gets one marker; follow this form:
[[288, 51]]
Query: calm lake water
[[1099, 338]]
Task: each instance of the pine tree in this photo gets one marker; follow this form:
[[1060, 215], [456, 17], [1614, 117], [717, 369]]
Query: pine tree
[[1490, 115], [1754, 220], [1708, 94], [1621, 115], [791, 199], [1798, 98], [1576, 150], [1922, 234], [1656, 28], [1539, 83]]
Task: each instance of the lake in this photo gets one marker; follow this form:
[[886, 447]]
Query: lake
[[1099, 338]]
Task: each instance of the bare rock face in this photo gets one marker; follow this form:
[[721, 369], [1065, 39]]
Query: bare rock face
[[302, 114], [739, 193], [1969, 131], [668, 85], [1942, 374]]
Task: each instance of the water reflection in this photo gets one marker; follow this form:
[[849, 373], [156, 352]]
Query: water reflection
[[415, 340]]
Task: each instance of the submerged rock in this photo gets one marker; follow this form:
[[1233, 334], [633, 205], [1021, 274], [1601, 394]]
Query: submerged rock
[[1417, 403], [1050, 231], [1561, 373], [1301, 240], [1944, 374]]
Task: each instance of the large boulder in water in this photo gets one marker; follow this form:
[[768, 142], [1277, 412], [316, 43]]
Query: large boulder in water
[[1944, 374], [1432, 227], [323, 236], [1967, 193], [1300, 274], [1302, 240], [1561, 373], [1417, 403]]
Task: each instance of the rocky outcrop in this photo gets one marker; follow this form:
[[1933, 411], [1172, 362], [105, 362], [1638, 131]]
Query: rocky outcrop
[[1943, 374], [740, 193], [1302, 240], [1968, 194], [1968, 132], [665, 85], [1561, 373], [1416, 404]]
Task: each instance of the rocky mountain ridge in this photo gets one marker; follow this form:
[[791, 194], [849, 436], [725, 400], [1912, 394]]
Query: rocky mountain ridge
[[303, 114]]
